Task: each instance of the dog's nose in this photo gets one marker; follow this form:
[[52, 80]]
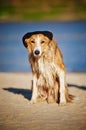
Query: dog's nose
[[37, 52]]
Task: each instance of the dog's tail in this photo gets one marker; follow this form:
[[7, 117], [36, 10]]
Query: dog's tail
[[69, 97]]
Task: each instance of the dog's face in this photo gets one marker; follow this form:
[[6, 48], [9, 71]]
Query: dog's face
[[37, 42]]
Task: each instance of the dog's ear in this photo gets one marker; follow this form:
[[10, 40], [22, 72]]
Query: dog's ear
[[26, 36]]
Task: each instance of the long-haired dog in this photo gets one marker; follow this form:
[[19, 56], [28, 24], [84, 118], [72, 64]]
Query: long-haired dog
[[49, 81]]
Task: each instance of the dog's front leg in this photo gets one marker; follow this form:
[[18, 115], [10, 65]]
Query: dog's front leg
[[34, 90], [62, 87]]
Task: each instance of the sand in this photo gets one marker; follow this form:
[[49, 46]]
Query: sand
[[16, 112]]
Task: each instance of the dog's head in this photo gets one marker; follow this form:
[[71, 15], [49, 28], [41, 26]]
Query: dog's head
[[37, 42]]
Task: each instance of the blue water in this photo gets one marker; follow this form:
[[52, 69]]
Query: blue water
[[71, 38]]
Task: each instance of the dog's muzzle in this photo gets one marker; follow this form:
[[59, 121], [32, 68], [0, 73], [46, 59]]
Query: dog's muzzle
[[37, 51]]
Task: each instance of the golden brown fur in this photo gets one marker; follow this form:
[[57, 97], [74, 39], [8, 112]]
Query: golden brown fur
[[48, 69]]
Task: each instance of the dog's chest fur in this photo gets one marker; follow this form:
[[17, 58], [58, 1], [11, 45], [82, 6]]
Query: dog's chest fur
[[45, 70]]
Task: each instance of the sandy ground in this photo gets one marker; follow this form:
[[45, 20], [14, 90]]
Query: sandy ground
[[16, 112]]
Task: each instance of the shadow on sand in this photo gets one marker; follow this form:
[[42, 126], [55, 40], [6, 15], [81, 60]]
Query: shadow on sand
[[24, 92], [28, 93], [77, 86]]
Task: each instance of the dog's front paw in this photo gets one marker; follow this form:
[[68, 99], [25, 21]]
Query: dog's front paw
[[62, 103], [33, 101]]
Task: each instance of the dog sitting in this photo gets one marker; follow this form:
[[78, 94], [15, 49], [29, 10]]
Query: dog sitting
[[49, 81]]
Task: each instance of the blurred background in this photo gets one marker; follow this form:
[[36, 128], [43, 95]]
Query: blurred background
[[65, 18]]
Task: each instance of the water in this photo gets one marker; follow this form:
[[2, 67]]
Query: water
[[71, 38]]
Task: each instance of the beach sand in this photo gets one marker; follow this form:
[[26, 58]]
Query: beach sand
[[16, 112]]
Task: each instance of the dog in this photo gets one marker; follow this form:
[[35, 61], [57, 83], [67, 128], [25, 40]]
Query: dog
[[48, 69]]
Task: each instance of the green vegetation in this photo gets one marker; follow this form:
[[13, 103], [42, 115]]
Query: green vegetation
[[36, 10], [41, 14]]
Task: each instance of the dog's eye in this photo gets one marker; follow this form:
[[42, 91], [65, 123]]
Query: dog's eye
[[32, 41], [42, 42]]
